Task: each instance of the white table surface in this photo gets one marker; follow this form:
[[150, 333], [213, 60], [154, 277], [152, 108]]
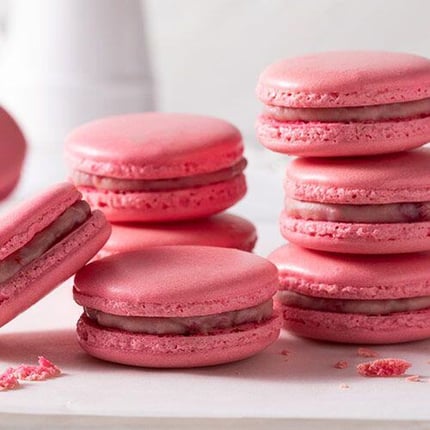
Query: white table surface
[[271, 390]]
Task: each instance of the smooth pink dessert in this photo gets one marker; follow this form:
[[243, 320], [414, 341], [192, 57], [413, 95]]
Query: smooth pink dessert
[[370, 299], [368, 205], [345, 103], [177, 306], [156, 167], [12, 153], [42, 243], [224, 230]]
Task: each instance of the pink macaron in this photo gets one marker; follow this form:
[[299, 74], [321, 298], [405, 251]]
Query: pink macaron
[[354, 298], [177, 306], [345, 103], [224, 230], [369, 205], [42, 243], [12, 153], [156, 167]]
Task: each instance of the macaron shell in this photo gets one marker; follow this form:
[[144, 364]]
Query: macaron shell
[[355, 328], [355, 237], [12, 153], [345, 78], [154, 145], [180, 281], [225, 230], [336, 139], [55, 266], [19, 227], [400, 177], [187, 203], [352, 277], [175, 351]]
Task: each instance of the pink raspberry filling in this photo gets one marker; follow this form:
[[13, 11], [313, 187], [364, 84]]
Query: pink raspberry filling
[[205, 324], [384, 213], [84, 179], [366, 307], [393, 111], [71, 218]]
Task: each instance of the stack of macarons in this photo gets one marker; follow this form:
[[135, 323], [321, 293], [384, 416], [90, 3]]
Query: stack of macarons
[[357, 203], [162, 179]]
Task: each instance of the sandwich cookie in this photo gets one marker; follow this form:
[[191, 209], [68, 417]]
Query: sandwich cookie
[[42, 243], [345, 103], [224, 230], [354, 298], [369, 205], [12, 153], [177, 306], [156, 167]]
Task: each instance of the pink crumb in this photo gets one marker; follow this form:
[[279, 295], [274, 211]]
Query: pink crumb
[[8, 380], [414, 378], [344, 386], [341, 365], [384, 367], [43, 371], [285, 352], [366, 352]]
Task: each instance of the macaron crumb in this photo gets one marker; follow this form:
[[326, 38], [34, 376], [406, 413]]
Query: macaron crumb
[[414, 378], [285, 352], [366, 352], [383, 367], [344, 387], [341, 365], [45, 369], [8, 380]]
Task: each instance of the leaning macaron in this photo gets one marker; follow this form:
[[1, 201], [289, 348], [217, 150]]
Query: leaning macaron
[[156, 167], [345, 103], [224, 230], [354, 298], [177, 306], [12, 153], [369, 205], [42, 243]]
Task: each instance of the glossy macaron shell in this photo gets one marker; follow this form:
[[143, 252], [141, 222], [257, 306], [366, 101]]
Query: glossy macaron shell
[[154, 145], [175, 282], [334, 276], [64, 258], [179, 281], [12, 153], [344, 79], [224, 230]]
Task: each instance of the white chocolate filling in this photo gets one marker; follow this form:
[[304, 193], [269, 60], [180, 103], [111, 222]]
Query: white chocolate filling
[[366, 307], [115, 184], [385, 213], [383, 112], [183, 325], [68, 221]]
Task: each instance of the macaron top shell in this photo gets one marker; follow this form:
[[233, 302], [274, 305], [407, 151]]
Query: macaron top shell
[[345, 78], [31, 217], [225, 230], [154, 145], [176, 281], [348, 276], [398, 177]]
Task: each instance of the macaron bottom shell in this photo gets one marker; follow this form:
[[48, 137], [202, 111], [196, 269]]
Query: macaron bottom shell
[[357, 328], [360, 238], [175, 351], [336, 139], [188, 203]]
